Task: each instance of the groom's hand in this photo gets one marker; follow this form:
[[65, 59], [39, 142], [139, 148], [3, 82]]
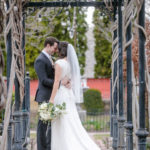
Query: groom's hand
[[66, 82]]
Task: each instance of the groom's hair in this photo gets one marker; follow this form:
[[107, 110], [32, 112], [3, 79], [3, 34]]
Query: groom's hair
[[50, 41]]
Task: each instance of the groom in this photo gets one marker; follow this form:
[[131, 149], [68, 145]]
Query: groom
[[44, 67]]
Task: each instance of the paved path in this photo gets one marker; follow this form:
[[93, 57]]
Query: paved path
[[99, 142], [33, 145]]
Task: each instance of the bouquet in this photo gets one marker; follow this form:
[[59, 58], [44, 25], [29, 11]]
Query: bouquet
[[48, 112]]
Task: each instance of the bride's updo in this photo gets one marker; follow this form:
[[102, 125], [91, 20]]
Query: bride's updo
[[62, 47]]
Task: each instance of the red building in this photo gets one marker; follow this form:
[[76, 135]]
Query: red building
[[103, 85]]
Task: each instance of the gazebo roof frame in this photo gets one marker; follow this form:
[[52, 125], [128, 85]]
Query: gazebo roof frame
[[66, 4]]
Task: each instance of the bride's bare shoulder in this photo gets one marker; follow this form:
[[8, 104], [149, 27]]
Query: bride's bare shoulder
[[60, 62]]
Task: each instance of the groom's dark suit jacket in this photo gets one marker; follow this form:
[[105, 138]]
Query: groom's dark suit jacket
[[45, 73]]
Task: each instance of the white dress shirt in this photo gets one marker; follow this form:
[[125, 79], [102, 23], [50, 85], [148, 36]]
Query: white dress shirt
[[48, 56]]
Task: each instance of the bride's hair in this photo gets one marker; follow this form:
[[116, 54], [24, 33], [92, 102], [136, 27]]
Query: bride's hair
[[62, 47]]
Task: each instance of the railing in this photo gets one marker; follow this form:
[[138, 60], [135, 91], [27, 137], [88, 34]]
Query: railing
[[97, 122]]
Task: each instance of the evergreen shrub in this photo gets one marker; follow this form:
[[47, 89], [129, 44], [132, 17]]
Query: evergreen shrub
[[93, 101]]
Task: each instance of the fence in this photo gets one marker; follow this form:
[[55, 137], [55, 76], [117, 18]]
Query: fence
[[92, 122], [97, 122]]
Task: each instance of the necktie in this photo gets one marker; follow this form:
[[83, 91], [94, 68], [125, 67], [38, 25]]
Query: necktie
[[50, 58]]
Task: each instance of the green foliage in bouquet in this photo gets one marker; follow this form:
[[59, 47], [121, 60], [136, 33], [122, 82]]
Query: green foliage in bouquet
[[93, 101]]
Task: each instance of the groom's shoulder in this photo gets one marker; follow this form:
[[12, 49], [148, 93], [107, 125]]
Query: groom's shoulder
[[40, 56]]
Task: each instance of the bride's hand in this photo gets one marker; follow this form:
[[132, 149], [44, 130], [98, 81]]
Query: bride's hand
[[51, 101]]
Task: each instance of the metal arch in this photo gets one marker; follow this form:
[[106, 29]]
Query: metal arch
[[100, 5], [66, 4]]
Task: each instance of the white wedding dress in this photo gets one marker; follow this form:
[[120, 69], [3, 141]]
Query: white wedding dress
[[67, 130]]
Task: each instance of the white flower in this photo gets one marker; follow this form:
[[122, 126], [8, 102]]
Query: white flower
[[43, 106], [56, 109], [45, 116]]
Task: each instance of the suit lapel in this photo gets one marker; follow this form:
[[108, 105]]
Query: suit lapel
[[45, 57]]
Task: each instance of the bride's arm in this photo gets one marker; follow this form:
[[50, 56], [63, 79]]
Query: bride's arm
[[56, 82]]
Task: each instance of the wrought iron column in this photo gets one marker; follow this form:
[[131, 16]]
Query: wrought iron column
[[142, 133], [9, 55], [26, 111], [9, 59], [111, 86], [19, 116], [24, 53], [27, 94], [17, 145], [17, 94], [129, 125], [121, 119], [26, 100], [115, 101], [115, 93]]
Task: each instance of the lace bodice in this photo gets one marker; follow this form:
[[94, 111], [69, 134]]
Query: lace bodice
[[66, 72]]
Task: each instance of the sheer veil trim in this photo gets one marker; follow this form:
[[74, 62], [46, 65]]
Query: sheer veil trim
[[75, 74]]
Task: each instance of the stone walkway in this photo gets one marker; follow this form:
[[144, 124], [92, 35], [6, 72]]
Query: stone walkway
[[98, 142], [101, 142]]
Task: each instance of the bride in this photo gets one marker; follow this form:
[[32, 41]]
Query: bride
[[67, 131]]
